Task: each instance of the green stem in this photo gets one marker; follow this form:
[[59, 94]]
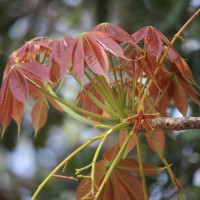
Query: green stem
[[113, 165], [95, 159], [101, 89], [59, 166], [115, 77], [139, 152], [171, 174], [133, 96], [94, 99], [52, 95], [113, 98], [107, 133]]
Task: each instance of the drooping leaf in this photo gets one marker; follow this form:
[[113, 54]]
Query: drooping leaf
[[131, 144], [55, 104], [128, 183], [78, 59], [121, 178], [140, 34], [108, 43], [180, 97], [110, 154], [95, 57], [35, 70], [18, 112], [154, 42], [160, 140], [6, 105], [39, 114], [132, 165], [18, 85], [87, 103], [61, 57], [66, 59], [114, 31]]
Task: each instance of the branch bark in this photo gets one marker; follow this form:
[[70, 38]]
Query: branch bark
[[169, 123]]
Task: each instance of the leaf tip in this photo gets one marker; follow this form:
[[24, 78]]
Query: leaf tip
[[3, 132]]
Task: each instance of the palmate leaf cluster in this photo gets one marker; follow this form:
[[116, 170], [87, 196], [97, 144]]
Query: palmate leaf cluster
[[126, 80]]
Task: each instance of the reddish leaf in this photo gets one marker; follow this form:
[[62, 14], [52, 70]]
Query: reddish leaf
[[6, 105], [129, 182], [61, 54], [114, 31], [121, 178], [85, 185], [118, 189], [154, 42], [78, 59], [131, 144], [66, 59], [95, 57], [133, 166], [55, 104], [152, 39], [84, 101], [160, 139], [18, 85], [140, 34], [117, 179], [190, 91], [110, 154], [180, 97], [39, 114], [18, 112], [108, 43], [35, 70]]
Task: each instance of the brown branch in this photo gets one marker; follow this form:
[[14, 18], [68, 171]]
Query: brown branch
[[169, 123]]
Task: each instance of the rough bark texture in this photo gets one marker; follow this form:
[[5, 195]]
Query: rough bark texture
[[168, 123]]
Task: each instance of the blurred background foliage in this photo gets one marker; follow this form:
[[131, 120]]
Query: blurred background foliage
[[26, 161]]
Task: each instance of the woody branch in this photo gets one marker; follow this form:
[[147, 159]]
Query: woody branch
[[169, 123]]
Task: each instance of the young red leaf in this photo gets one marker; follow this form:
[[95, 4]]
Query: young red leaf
[[35, 70], [61, 54], [78, 59], [131, 185], [95, 57], [18, 85], [66, 59], [85, 185], [6, 105], [118, 189], [108, 43], [39, 114], [191, 92], [180, 97], [154, 42], [17, 113], [131, 144], [114, 31], [160, 139], [132, 165], [140, 34], [110, 154]]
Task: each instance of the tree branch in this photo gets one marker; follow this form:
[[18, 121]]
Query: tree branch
[[169, 123]]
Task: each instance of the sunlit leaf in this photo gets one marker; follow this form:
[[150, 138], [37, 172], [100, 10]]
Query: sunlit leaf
[[35, 70], [6, 105], [18, 85], [108, 44]]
